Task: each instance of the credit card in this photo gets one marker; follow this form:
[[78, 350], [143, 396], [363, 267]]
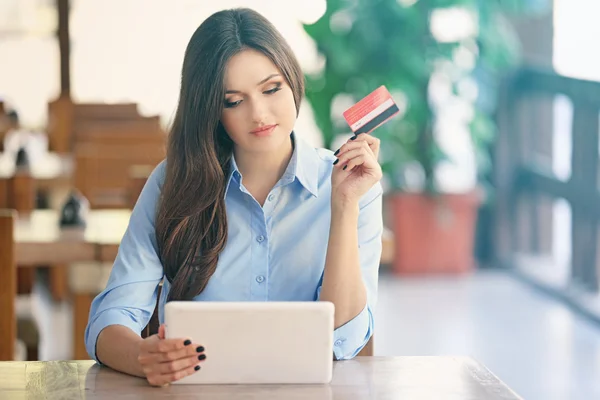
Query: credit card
[[372, 111]]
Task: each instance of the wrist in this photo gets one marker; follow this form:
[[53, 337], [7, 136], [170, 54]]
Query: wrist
[[138, 351], [344, 206]]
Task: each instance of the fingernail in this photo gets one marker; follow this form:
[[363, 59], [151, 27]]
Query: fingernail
[[187, 342], [345, 166], [353, 137], [197, 367], [336, 161], [336, 152], [202, 357], [199, 349]]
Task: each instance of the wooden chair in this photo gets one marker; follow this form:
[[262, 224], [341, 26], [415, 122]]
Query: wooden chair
[[368, 349], [84, 112], [152, 327], [18, 192], [8, 285], [102, 169], [3, 125], [67, 120], [15, 327], [138, 175]]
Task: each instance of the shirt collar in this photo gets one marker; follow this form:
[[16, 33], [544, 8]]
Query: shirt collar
[[304, 166]]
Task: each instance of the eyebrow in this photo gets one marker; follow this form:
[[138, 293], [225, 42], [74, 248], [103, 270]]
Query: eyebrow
[[258, 84]]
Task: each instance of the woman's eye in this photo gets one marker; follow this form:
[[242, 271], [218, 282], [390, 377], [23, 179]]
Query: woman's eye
[[274, 90], [229, 104], [232, 104]]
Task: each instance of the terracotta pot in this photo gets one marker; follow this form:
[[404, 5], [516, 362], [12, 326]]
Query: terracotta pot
[[434, 234]]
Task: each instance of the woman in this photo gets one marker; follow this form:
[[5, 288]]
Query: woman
[[241, 208]]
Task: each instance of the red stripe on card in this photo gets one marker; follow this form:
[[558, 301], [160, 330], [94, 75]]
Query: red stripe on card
[[366, 105]]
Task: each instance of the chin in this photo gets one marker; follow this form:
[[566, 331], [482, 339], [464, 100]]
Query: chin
[[275, 140]]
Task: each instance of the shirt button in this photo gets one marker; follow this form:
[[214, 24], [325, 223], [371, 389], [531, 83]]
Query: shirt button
[[338, 343], [260, 238], [271, 197], [260, 279]]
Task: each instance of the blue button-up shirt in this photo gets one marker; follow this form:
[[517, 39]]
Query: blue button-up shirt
[[273, 253]]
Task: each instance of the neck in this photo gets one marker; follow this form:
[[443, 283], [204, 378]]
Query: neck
[[263, 168]]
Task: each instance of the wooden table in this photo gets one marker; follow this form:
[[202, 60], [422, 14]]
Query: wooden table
[[40, 241], [55, 171], [405, 378]]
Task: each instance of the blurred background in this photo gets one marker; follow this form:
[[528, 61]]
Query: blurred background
[[491, 167]]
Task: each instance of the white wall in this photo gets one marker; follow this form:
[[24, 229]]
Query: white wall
[[132, 50]]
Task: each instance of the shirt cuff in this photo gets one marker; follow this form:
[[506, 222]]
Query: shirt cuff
[[350, 338], [107, 318]]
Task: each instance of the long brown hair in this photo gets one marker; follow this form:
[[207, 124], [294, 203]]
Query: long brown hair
[[191, 222]]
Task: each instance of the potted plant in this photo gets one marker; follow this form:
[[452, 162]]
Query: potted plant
[[431, 55]]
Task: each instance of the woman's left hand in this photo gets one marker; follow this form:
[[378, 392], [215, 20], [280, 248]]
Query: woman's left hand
[[356, 170]]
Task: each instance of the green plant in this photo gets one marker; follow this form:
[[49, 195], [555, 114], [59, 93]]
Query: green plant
[[367, 43]]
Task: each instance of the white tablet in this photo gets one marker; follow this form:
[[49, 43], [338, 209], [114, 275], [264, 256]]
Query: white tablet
[[256, 342]]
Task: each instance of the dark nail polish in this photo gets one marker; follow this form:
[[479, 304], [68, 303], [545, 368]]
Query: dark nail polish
[[202, 357], [353, 137], [336, 161], [345, 166], [336, 152], [199, 349], [187, 342], [197, 367]]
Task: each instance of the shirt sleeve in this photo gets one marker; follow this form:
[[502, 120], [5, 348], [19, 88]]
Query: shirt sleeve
[[350, 338], [129, 298]]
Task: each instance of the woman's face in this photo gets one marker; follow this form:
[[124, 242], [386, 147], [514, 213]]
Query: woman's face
[[259, 111]]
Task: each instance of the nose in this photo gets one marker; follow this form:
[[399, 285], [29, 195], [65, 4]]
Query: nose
[[259, 112]]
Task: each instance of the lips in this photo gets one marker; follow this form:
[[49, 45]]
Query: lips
[[263, 129]]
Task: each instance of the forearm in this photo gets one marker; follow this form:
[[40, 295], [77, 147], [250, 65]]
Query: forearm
[[118, 348], [342, 280]]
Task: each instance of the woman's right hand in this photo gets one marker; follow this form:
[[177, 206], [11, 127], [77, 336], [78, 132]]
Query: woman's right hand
[[168, 360]]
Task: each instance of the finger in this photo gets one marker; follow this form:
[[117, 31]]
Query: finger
[[355, 161], [350, 154], [166, 345], [374, 143], [358, 144], [347, 147], [165, 379], [155, 357], [366, 161], [147, 345], [161, 331], [171, 367], [179, 354]]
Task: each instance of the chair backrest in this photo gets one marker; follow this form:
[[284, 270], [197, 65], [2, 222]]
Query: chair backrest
[[18, 192], [68, 122], [102, 170], [138, 176], [4, 192], [368, 349], [8, 285], [153, 324], [3, 126]]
